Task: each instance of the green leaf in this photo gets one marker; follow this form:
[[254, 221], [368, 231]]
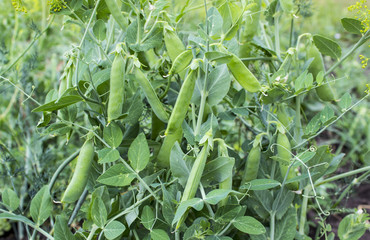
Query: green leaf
[[314, 125], [138, 153], [10, 199], [41, 206], [308, 81], [217, 170], [345, 102], [113, 135], [159, 234], [58, 104], [249, 225], [118, 176], [217, 195], [320, 77], [180, 168], [17, 218], [218, 84], [352, 226], [261, 184], [61, 229], [352, 25], [147, 217], [99, 213], [327, 115], [100, 30], [103, 194], [195, 203], [327, 46], [283, 203], [286, 227], [299, 82], [113, 230], [321, 161], [57, 129], [304, 157], [215, 23], [107, 155]]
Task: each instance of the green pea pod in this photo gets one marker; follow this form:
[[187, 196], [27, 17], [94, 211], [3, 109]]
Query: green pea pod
[[193, 182], [324, 91], [177, 117], [173, 44], [252, 165], [62, 85], [150, 94], [157, 126], [283, 116], [242, 74], [250, 29], [117, 88], [284, 154], [116, 13], [181, 62], [81, 173]]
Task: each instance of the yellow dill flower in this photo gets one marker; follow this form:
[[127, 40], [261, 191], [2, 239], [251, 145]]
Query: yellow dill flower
[[364, 61], [19, 5], [57, 5], [362, 13]]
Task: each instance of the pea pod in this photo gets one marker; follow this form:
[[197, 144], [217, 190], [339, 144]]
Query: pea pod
[[81, 173], [252, 165], [157, 126], [115, 10], [150, 94], [242, 74], [181, 62], [193, 182], [177, 117], [250, 28], [62, 85], [324, 91], [173, 44], [284, 154], [117, 88], [283, 116]]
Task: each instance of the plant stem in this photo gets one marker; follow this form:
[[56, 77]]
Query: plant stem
[[92, 232], [260, 58], [303, 216], [61, 168], [272, 225], [80, 201], [31, 224], [343, 175], [362, 40], [298, 125]]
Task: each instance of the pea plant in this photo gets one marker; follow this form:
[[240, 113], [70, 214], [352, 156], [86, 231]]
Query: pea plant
[[191, 120]]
